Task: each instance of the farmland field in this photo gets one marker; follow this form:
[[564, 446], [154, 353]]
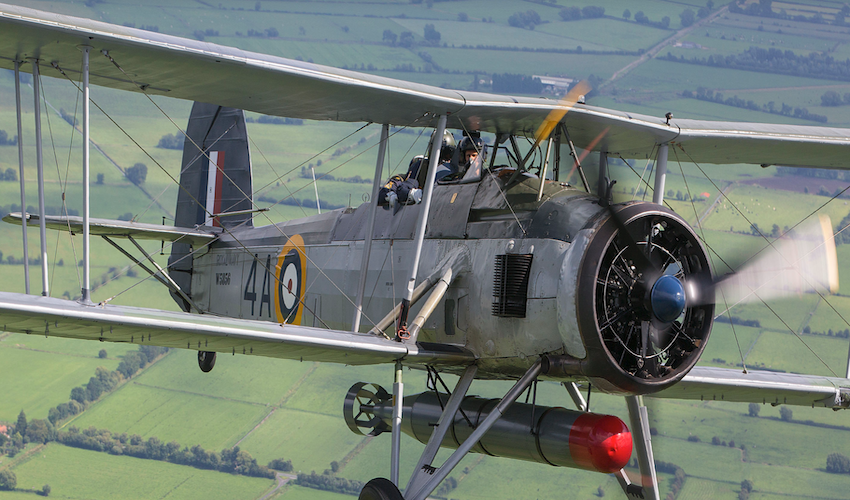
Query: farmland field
[[291, 410]]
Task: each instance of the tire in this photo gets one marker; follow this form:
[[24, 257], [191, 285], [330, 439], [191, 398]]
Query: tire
[[380, 489], [206, 360]]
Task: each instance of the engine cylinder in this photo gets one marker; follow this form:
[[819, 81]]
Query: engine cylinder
[[550, 435]]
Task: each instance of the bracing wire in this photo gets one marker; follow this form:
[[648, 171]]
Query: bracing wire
[[244, 194]]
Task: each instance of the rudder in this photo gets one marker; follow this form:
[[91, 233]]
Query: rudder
[[215, 178]]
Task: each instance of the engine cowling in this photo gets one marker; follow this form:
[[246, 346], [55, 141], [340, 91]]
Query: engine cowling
[[642, 321]]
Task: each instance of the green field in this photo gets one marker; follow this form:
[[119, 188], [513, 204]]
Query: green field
[[68, 471], [285, 409]]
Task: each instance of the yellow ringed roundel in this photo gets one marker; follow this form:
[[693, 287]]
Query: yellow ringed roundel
[[290, 272]]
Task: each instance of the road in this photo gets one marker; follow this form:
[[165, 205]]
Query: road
[[649, 54]]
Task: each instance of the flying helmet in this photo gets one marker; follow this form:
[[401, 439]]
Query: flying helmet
[[447, 149], [471, 144]]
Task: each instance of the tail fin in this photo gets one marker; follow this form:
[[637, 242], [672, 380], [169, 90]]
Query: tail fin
[[215, 178]]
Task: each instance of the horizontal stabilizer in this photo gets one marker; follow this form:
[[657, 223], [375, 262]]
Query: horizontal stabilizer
[[758, 386], [122, 229], [49, 316]]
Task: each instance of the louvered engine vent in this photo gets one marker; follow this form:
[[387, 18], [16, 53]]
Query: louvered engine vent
[[510, 285]]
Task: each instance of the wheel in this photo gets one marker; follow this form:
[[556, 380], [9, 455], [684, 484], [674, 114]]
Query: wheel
[[380, 489], [206, 360]]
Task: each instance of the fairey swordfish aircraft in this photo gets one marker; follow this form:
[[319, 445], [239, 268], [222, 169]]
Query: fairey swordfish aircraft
[[512, 276]]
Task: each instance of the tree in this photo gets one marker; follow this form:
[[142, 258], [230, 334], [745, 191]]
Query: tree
[[627, 14], [45, 490], [527, 20], [8, 481], [390, 37], [99, 181], [406, 39], [831, 98], [786, 414], [687, 16], [11, 174], [462, 17], [39, 431], [754, 409], [571, 13], [21, 424], [747, 485], [102, 354], [592, 11], [837, 463], [431, 34], [171, 141], [137, 173]]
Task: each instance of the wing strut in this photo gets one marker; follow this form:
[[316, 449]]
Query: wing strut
[[660, 175], [370, 226], [39, 159], [434, 158], [438, 474], [639, 421], [398, 403], [86, 291], [21, 168], [423, 467]]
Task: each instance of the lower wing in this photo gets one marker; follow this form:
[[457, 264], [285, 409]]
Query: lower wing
[[64, 318], [756, 386]]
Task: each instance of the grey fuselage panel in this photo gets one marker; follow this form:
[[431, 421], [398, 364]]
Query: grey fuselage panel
[[256, 273]]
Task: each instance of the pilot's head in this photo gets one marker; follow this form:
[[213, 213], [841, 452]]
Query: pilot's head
[[470, 148], [447, 148]]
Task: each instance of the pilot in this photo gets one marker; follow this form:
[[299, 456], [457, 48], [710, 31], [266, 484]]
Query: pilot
[[444, 167], [470, 156]]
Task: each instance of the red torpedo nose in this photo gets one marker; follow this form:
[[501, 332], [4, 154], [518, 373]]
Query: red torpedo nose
[[600, 442]]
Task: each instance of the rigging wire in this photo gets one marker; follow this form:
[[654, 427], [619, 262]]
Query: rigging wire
[[702, 235], [712, 250], [143, 89], [63, 188], [754, 292]]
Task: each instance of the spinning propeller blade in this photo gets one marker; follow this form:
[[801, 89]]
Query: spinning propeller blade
[[802, 261]]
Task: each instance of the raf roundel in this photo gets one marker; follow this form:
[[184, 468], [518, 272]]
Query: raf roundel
[[289, 291]]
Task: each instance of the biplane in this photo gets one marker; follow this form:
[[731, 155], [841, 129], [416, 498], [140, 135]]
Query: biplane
[[512, 274]]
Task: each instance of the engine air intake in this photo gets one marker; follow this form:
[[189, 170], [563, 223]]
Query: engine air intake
[[510, 285]]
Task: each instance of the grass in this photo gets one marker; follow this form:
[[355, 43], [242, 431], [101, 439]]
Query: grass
[[754, 204], [494, 61], [51, 375], [68, 471], [174, 415]]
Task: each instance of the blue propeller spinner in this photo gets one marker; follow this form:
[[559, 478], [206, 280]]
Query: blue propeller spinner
[[667, 298]]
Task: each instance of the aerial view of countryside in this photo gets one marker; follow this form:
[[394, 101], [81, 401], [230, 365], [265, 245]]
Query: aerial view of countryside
[[99, 420]]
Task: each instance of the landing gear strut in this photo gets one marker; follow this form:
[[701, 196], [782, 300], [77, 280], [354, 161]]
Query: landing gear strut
[[206, 360]]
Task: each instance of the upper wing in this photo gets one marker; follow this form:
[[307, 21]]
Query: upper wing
[[724, 384], [200, 71], [63, 318]]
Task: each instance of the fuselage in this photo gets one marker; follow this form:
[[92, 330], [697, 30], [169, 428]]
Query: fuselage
[[257, 273]]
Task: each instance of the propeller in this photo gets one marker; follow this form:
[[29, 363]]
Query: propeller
[[801, 261], [655, 292]]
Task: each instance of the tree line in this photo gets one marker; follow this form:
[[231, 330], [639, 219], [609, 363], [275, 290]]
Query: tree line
[[764, 8], [773, 60], [704, 94]]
